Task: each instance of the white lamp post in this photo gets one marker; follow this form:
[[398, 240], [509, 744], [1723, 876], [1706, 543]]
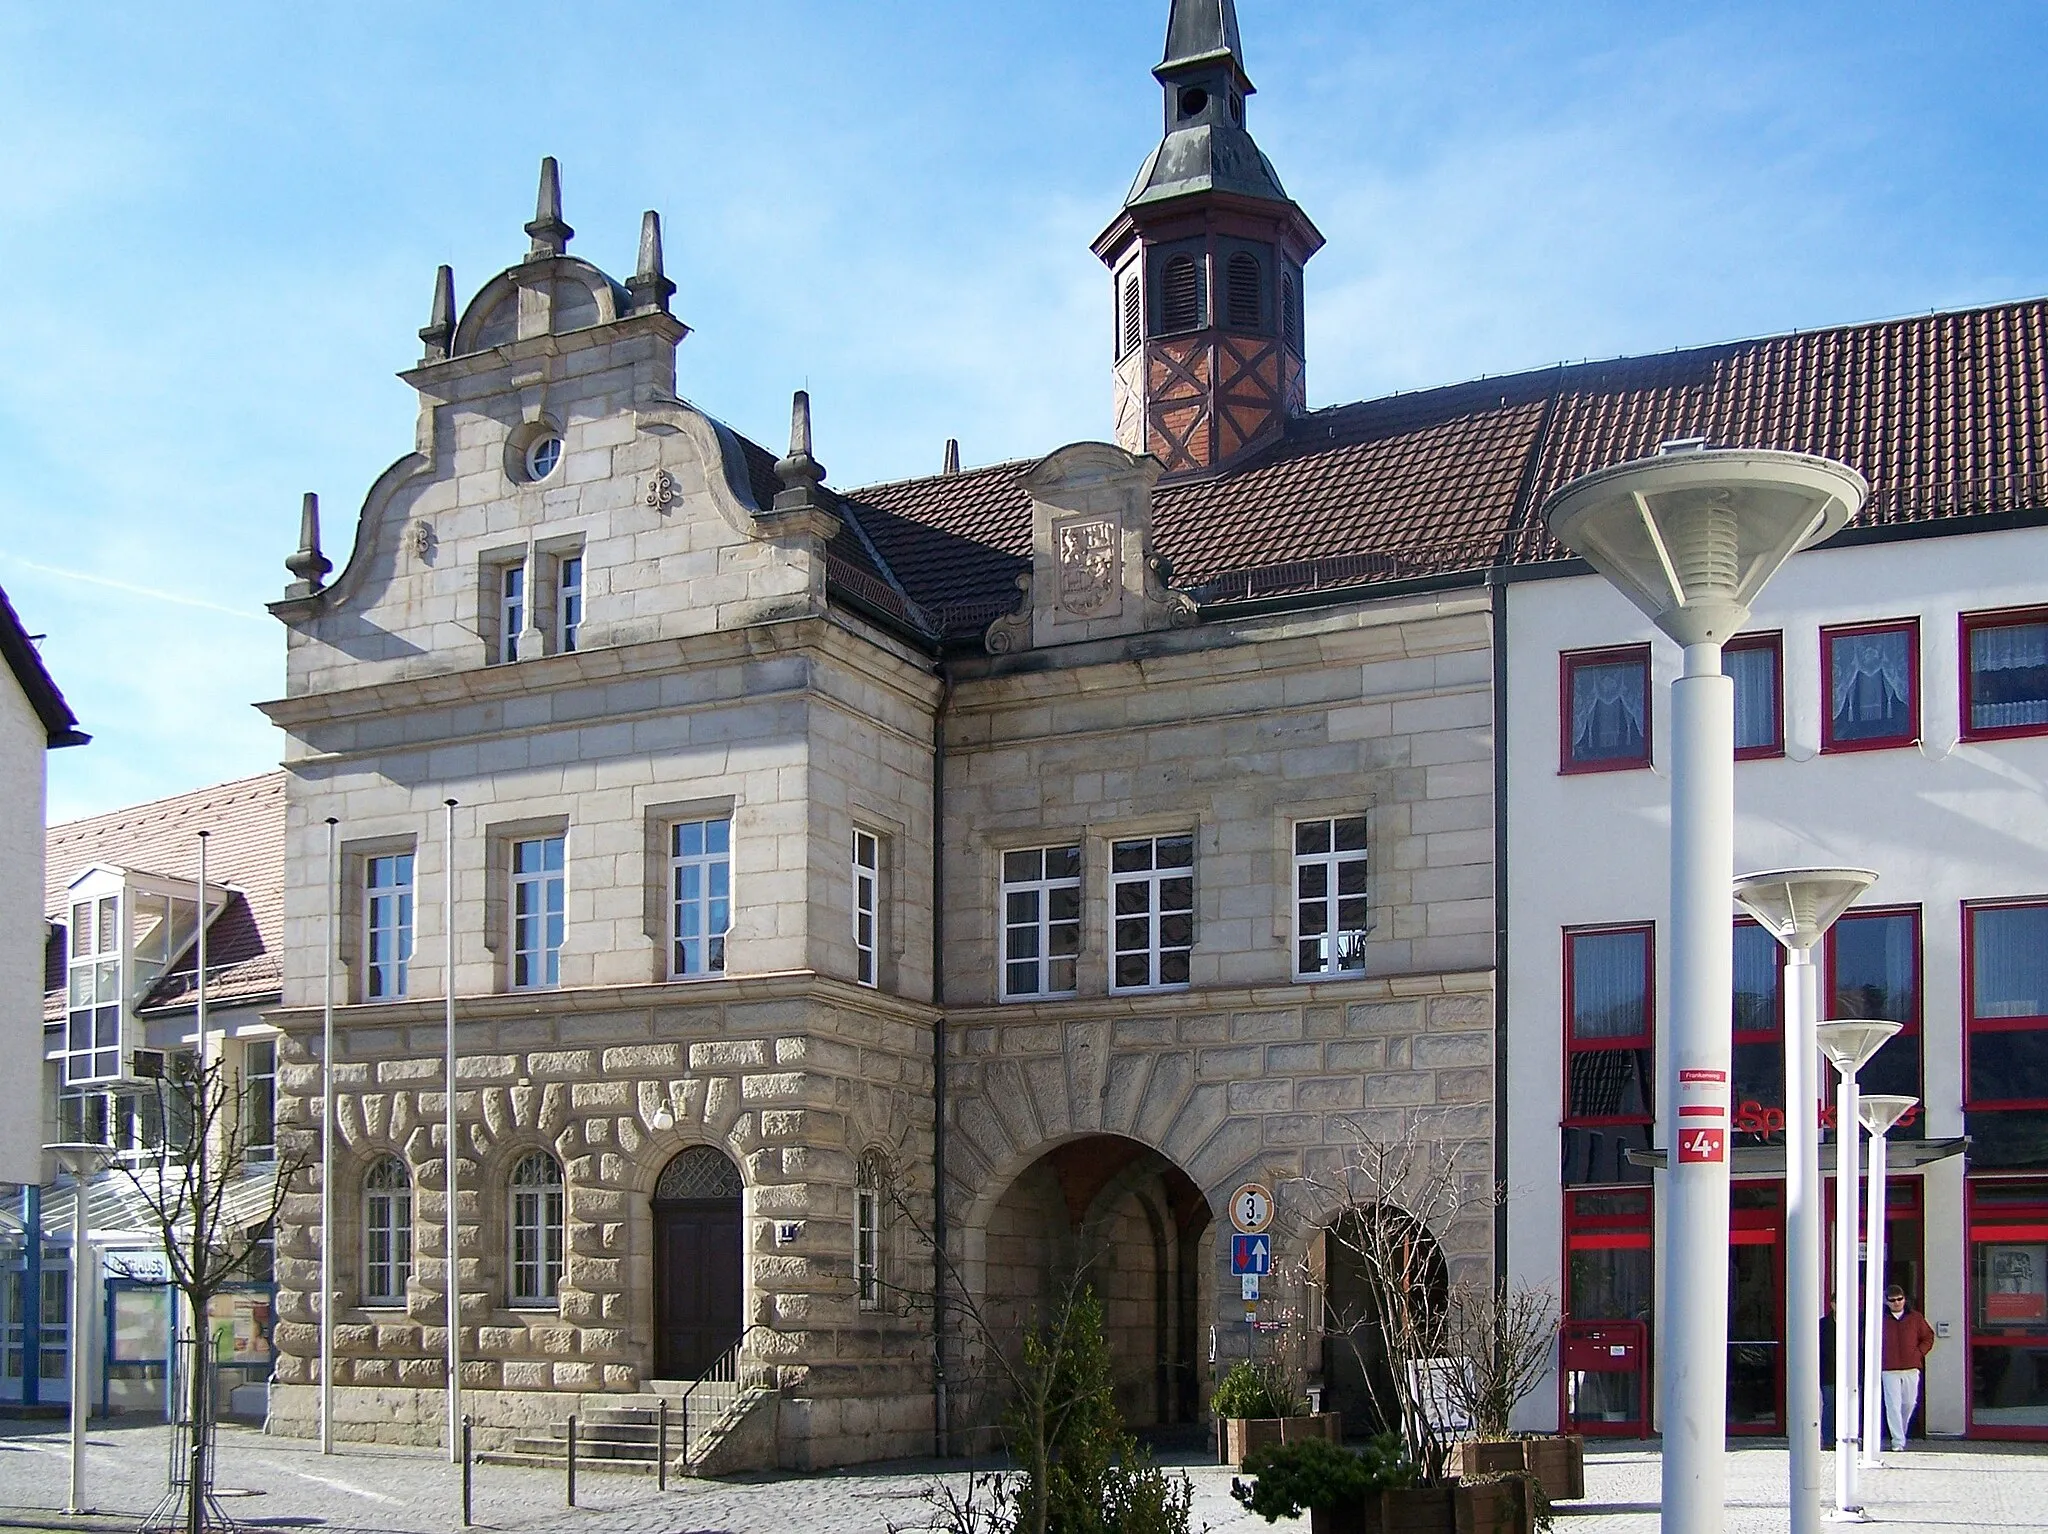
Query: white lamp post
[[1690, 537], [1848, 1046], [1879, 1111], [83, 1161], [1797, 906]]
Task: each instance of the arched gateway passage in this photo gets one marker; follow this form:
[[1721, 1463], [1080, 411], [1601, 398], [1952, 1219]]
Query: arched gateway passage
[[697, 1262], [1133, 1222]]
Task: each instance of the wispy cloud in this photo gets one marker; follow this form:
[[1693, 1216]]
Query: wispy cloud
[[129, 588]]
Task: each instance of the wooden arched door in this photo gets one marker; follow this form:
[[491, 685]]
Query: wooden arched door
[[697, 1262]]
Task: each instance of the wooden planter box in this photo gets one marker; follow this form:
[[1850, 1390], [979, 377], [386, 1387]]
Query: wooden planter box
[[1557, 1460], [1238, 1436], [1501, 1507]]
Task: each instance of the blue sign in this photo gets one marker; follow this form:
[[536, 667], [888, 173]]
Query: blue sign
[[1251, 1254]]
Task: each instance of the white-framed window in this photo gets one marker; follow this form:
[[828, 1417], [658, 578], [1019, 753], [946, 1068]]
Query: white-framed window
[[1330, 917], [259, 1099], [539, 889], [535, 1225], [568, 602], [387, 1232], [511, 610], [1041, 921], [92, 1027], [1152, 912], [542, 454], [700, 896], [870, 1182], [867, 870], [387, 925]]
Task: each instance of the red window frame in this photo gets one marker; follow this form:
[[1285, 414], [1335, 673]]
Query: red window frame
[[1989, 1221], [1909, 1027], [1646, 1040], [1568, 662], [1973, 1024], [1774, 641], [1828, 636], [1759, 1123], [1967, 625]]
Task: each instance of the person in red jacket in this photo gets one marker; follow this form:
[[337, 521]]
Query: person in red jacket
[[1908, 1339]]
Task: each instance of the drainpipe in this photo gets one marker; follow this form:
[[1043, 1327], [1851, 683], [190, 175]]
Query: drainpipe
[[940, 1408], [1497, 592]]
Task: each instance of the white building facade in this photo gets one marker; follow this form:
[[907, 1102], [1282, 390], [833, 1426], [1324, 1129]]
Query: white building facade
[[1892, 713]]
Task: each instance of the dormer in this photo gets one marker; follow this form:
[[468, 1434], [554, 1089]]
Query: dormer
[[123, 930]]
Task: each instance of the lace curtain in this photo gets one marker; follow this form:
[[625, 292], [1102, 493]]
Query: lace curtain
[[1755, 673], [1871, 675], [1608, 1000], [1757, 974], [1608, 710], [2009, 949], [2001, 695]]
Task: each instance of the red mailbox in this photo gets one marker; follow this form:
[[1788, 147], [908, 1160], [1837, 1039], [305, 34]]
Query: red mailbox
[[1604, 1369]]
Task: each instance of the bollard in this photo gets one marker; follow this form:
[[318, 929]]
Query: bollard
[[572, 1459], [467, 1468], [661, 1444]]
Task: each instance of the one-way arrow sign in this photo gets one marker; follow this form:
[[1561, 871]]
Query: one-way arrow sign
[[1251, 1254]]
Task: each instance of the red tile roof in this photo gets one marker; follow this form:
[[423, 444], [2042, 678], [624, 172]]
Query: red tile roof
[[244, 850], [1945, 414]]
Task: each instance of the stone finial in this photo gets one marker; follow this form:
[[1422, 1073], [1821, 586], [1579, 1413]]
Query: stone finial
[[800, 473], [308, 565], [550, 235], [952, 461], [438, 334], [649, 286]]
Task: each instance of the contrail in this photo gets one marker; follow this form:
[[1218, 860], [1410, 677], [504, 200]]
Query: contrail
[[132, 589]]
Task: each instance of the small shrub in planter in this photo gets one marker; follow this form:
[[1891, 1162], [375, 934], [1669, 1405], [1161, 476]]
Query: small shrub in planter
[[1333, 1485]]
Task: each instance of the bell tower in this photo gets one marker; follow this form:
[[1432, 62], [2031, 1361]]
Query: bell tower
[[1206, 261]]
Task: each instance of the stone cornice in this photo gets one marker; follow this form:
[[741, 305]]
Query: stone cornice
[[1253, 998], [500, 1006], [652, 657]]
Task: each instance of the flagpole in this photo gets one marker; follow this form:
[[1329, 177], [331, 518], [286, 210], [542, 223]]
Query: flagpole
[[332, 899], [451, 1258]]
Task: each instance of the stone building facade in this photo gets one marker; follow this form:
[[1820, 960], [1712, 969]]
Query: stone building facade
[[835, 879]]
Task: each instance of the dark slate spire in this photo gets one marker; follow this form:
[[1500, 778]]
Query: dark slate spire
[[1197, 31], [550, 235], [649, 286], [308, 565], [1206, 147], [799, 472], [439, 331]]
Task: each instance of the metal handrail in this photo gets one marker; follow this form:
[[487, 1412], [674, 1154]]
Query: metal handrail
[[724, 1370]]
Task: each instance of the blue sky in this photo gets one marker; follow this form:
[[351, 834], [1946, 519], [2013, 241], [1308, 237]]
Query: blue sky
[[221, 228]]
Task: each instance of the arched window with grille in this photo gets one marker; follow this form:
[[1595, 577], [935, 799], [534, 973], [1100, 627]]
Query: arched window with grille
[[387, 1232], [1244, 291], [870, 1186], [534, 1223], [1181, 294]]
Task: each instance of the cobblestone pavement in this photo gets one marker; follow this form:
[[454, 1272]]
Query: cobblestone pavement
[[271, 1483]]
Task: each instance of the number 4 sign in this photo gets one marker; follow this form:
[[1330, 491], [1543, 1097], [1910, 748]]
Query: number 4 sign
[[1702, 1145]]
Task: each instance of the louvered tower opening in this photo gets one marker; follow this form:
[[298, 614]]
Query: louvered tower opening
[[1242, 291], [1182, 299], [1133, 315]]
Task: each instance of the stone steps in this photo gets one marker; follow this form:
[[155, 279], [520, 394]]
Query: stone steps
[[622, 1432]]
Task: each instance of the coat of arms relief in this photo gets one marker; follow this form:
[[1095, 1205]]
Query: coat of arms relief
[[1087, 556]]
